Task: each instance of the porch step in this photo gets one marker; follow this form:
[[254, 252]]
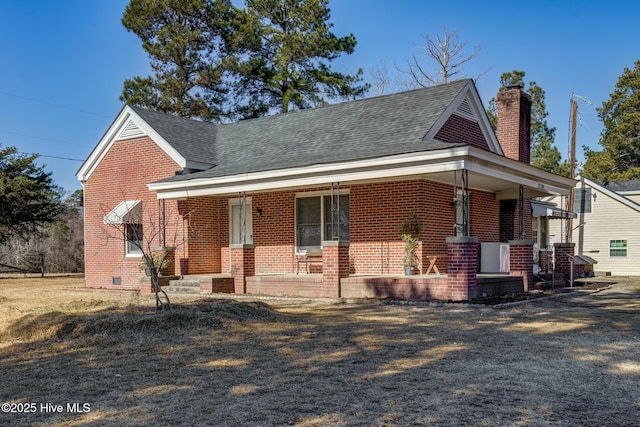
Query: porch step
[[182, 286], [201, 284], [172, 289]]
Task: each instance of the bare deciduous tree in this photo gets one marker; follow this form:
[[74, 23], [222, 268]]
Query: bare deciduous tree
[[448, 51], [155, 237]]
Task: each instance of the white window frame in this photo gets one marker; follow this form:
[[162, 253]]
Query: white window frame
[[130, 249], [321, 195], [625, 248]]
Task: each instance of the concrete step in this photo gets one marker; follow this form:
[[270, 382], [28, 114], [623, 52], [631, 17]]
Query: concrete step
[[177, 289], [185, 282]]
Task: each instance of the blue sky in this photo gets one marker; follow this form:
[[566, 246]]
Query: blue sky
[[64, 62]]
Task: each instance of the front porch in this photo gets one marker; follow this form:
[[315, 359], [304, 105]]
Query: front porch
[[425, 287], [461, 282]]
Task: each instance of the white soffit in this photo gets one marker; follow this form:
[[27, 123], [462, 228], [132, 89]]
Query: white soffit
[[486, 164]]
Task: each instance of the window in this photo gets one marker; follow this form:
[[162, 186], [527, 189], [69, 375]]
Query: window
[[133, 239], [318, 219], [617, 248], [578, 197]]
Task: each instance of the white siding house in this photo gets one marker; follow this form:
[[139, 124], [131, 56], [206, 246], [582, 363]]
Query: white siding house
[[611, 230]]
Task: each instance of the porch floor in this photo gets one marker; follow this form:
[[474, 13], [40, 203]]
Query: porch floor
[[420, 287]]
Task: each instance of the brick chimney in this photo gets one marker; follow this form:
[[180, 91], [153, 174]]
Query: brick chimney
[[514, 123]]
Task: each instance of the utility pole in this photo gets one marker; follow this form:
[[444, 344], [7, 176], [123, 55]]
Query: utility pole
[[572, 163]]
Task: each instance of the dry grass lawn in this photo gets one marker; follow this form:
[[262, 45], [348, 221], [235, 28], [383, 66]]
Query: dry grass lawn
[[572, 360]]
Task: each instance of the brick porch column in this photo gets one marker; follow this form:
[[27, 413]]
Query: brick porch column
[[243, 264], [462, 267], [335, 266], [564, 257], [521, 261]]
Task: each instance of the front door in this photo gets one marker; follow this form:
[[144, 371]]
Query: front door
[[240, 223]]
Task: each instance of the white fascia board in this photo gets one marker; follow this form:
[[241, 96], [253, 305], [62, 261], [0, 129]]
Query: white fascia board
[[398, 166], [412, 164], [309, 181], [491, 164], [111, 136], [469, 92], [615, 196], [542, 182]]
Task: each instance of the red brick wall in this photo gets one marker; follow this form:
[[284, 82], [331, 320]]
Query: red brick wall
[[274, 232], [514, 123], [462, 256], [378, 210], [521, 261], [564, 257], [376, 213], [122, 174], [206, 222], [458, 129]]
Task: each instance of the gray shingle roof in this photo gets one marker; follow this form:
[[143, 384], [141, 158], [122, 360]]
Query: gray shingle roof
[[194, 140], [629, 185], [366, 128]]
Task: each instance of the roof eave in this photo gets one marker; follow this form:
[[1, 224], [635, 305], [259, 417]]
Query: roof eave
[[396, 167]]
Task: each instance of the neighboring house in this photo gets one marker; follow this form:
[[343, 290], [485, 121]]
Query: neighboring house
[[246, 201], [548, 218], [610, 230]]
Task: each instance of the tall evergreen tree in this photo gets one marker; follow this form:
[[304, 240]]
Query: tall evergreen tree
[[285, 47], [185, 43], [29, 198], [620, 138], [544, 153], [215, 61]]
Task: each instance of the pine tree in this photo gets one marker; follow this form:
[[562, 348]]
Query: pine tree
[[285, 47], [29, 199], [185, 40], [214, 61], [620, 139]]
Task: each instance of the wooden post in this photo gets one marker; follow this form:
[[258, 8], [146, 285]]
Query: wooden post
[[41, 265]]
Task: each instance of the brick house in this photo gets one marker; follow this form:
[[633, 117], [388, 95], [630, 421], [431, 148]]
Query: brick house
[[244, 202]]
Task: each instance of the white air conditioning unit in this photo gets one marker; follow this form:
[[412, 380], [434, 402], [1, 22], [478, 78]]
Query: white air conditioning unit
[[494, 257]]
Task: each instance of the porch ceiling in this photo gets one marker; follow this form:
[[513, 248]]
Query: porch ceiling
[[487, 172]]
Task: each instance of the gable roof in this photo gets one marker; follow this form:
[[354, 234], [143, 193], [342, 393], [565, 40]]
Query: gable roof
[[190, 143], [623, 187], [613, 194], [399, 123], [392, 124], [193, 139]]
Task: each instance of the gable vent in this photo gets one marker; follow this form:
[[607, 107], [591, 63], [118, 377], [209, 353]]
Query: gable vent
[[130, 130], [465, 110]]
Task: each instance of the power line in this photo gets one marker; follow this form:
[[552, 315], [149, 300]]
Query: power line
[[50, 157], [40, 138], [52, 104]]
